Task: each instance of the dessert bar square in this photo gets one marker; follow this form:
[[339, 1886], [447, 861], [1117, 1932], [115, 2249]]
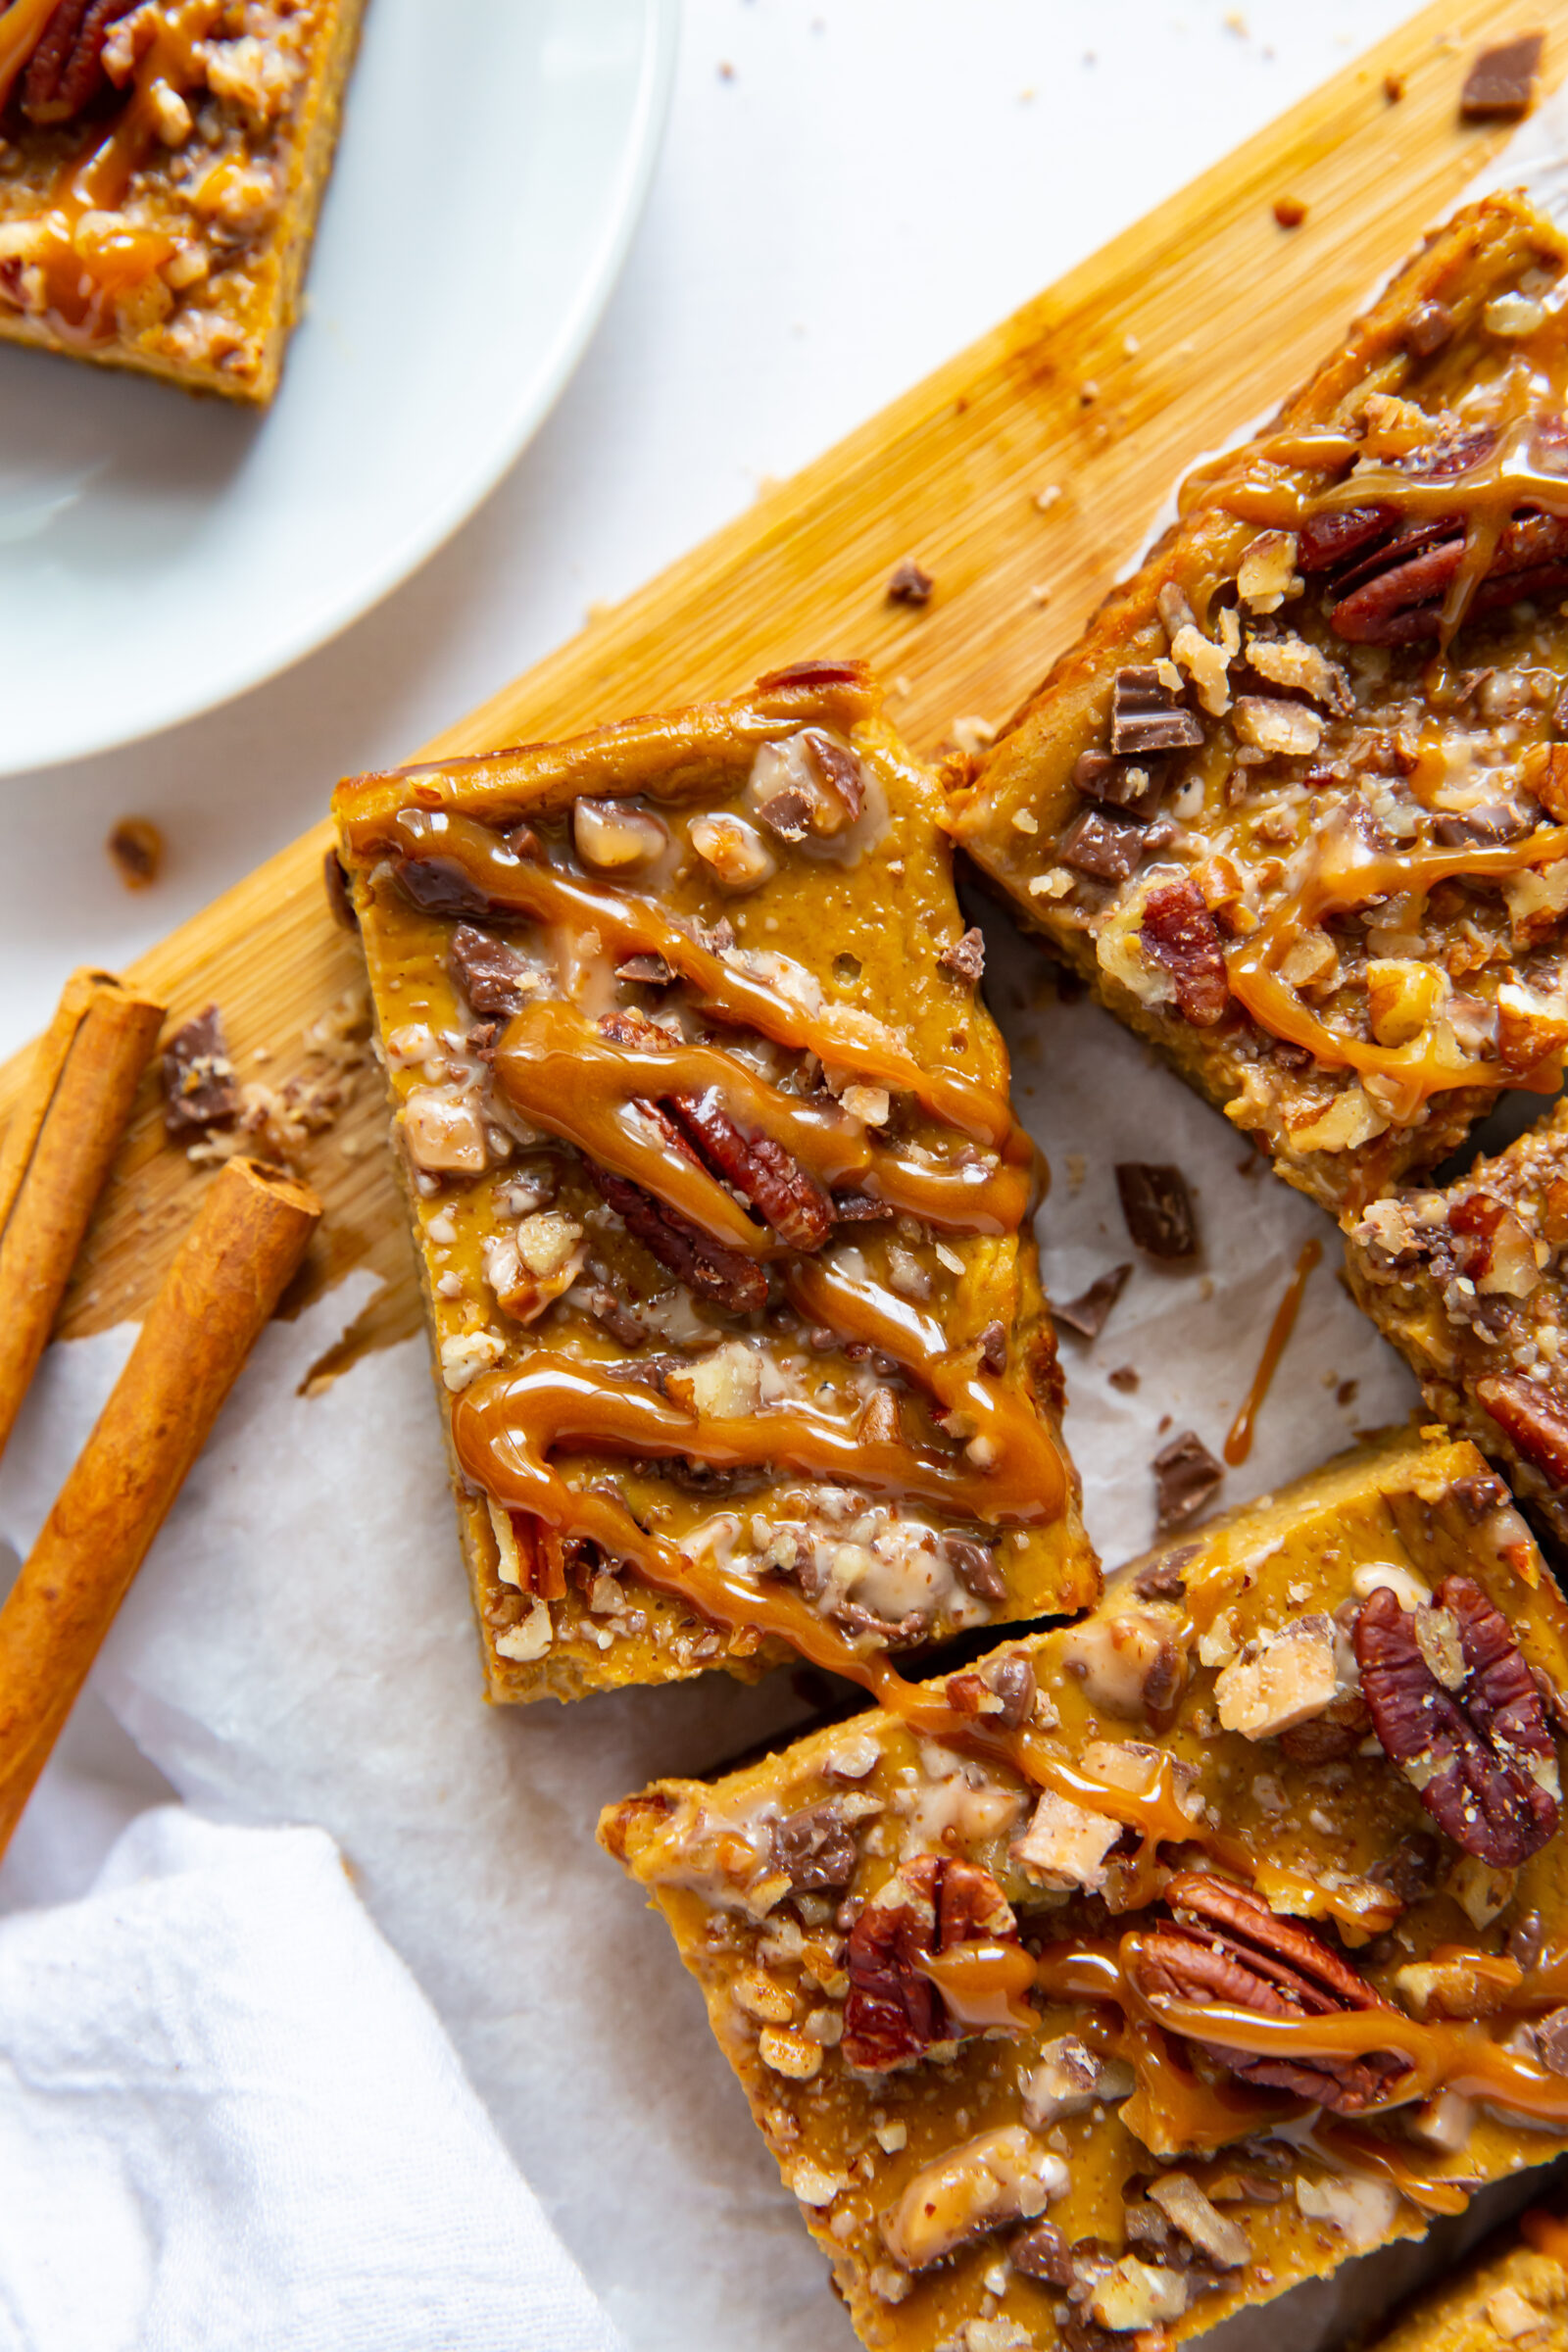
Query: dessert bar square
[[1471, 1285], [1513, 2293], [722, 1211], [162, 163], [1294, 803], [1157, 1962]]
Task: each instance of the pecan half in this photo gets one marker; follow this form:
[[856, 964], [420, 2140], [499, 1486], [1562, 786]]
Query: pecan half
[[1224, 1945], [1474, 1743], [706, 1266], [789, 1202], [1533, 1417], [66, 70], [1181, 935], [892, 2013]]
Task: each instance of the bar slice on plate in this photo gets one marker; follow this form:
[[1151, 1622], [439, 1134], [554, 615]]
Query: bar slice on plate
[[1294, 803], [161, 165], [721, 1207], [1514, 2293], [1471, 1285], [1156, 1963]]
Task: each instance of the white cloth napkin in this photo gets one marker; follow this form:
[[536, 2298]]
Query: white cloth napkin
[[229, 2117]]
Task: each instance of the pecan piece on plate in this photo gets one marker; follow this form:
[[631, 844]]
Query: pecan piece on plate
[[1223, 1945], [1456, 1708], [789, 1202], [892, 2012]]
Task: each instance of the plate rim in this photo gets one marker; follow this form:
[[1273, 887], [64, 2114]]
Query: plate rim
[[649, 113]]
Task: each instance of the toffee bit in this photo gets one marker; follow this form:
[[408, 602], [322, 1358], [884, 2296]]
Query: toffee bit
[[1157, 1208], [910, 584], [1428, 329], [199, 1090], [136, 847], [335, 882], [965, 957], [1146, 718], [1187, 1475], [1500, 86], [1090, 1312]]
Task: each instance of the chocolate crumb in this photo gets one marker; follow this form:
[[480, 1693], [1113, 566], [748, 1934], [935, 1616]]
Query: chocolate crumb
[[1106, 847], [1289, 211], [1393, 88], [1125, 1378], [1500, 84], [1145, 717], [1157, 1208], [1186, 1477], [1134, 786], [335, 882], [199, 1090], [1429, 327], [1090, 1312], [788, 814], [1345, 1394], [967, 956], [993, 1347], [910, 584], [858, 1209], [1162, 1579], [137, 848]]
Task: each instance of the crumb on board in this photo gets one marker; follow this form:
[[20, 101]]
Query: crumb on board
[[136, 847], [1289, 211]]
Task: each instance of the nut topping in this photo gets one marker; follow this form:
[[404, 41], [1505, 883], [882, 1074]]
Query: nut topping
[[1225, 1946], [66, 70], [893, 2013], [1181, 935], [1533, 1417], [612, 837], [1478, 1750]]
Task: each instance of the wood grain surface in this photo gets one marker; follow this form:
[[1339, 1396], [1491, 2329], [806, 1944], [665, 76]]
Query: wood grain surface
[[1102, 389]]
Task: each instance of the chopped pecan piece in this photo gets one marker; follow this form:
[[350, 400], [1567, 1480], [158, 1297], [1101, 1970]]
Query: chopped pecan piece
[[816, 1848], [1145, 717], [1088, 1313], [66, 70], [1186, 1477], [705, 1267], [1456, 1707], [199, 1090], [910, 583], [1533, 1416], [1181, 935], [1224, 1947], [486, 970], [1157, 1208], [892, 2013], [965, 957]]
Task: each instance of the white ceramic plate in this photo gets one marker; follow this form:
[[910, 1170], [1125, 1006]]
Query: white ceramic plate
[[160, 554]]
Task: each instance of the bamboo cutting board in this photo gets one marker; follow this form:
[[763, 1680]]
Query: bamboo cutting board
[[1100, 389]]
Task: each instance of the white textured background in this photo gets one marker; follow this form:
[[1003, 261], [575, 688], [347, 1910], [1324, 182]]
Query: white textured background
[[874, 183]]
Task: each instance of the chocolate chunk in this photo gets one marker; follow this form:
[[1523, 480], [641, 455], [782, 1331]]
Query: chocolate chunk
[[1429, 327], [836, 768], [1042, 2252], [858, 1209], [788, 814], [437, 885], [1527, 1941], [136, 847], [1162, 1579], [616, 1316], [910, 584], [1124, 1378], [651, 970], [1109, 848], [993, 1347], [1480, 828], [1551, 2042], [1178, 933], [1186, 1477], [335, 881], [815, 1848], [1146, 718], [1089, 1311], [487, 972], [1157, 1208], [199, 1090], [1500, 84], [482, 1038], [1477, 1494], [975, 1567], [1132, 785], [1412, 1869], [967, 956]]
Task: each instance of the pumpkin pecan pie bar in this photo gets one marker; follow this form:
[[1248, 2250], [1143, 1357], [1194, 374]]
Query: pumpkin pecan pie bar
[[1471, 1285], [162, 163], [1295, 802], [1157, 1962], [1513, 2295], [723, 1213]]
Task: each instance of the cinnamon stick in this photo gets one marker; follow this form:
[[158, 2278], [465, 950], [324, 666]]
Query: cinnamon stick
[[227, 1277], [57, 1152]]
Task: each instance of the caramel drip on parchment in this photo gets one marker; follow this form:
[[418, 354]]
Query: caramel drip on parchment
[[1345, 872], [631, 925], [558, 1072], [82, 288], [1239, 1443]]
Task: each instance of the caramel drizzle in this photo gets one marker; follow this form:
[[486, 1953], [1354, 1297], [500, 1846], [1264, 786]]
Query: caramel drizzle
[[1345, 871], [631, 925], [558, 1072], [1239, 1443], [98, 178]]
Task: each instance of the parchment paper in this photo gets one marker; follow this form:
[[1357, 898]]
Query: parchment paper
[[299, 1647]]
